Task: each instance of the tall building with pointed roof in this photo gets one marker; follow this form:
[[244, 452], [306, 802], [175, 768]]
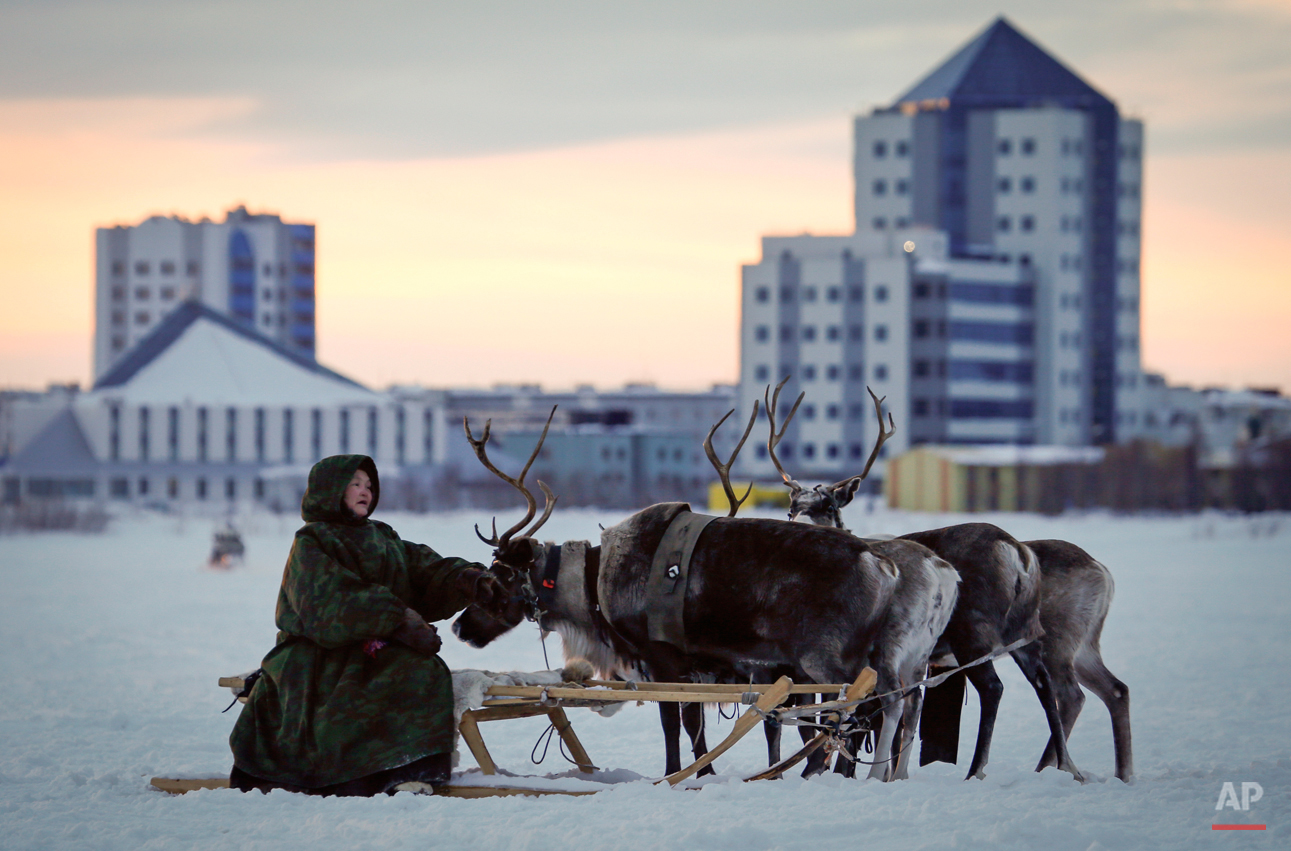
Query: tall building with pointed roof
[[1019, 160]]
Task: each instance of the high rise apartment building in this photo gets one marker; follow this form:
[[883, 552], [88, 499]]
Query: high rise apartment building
[[254, 268], [1000, 197]]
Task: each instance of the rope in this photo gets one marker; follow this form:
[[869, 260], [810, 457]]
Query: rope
[[547, 736]]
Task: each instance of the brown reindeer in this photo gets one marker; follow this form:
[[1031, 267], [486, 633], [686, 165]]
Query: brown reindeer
[[1000, 601], [761, 595]]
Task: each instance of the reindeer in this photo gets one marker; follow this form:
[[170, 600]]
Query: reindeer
[[1074, 596], [762, 595], [917, 615]]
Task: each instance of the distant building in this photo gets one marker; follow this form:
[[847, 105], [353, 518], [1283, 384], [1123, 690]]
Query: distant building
[[255, 269], [991, 287]]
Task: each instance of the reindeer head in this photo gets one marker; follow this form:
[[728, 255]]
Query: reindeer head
[[821, 505], [516, 561]]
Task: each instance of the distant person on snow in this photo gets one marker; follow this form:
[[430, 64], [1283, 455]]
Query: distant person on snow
[[353, 700]]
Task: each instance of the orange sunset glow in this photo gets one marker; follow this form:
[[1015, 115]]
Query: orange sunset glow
[[602, 260]]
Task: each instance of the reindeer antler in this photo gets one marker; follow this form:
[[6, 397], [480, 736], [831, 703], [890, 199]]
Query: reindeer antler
[[518, 483], [773, 440], [883, 434], [724, 470]]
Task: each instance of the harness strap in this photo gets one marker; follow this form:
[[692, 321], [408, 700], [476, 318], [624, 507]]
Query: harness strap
[[669, 576]]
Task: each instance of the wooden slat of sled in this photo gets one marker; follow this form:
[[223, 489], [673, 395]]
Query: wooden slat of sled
[[733, 688], [773, 698], [180, 785], [616, 695]]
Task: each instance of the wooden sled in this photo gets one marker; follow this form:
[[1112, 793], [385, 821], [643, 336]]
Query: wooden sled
[[505, 702]]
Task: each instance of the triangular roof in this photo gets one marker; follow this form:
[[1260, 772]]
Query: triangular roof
[[1002, 67], [59, 449], [199, 353]]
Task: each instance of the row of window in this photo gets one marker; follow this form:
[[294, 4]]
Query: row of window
[[881, 222], [808, 450], [880, 148], [1005, 185], [832, 372], [144, 432], [118, 293], [900, 187], [855, 292], [119, 488], [1026, 146], [807, 333], [143, 267]]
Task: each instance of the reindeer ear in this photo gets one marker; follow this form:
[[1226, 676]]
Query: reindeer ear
[[844, 492]]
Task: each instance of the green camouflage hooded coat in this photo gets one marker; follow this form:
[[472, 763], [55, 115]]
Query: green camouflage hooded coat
[[325, 712]]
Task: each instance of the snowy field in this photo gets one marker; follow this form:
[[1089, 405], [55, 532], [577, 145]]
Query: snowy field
[[112, 644]]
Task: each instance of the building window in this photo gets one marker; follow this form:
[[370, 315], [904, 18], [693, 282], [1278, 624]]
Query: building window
[[809, 450], [230, 488], [856, 292], [288, 435], [786, 293], [259, 434], [1005, 147], [880, 223], [372, 432], [879, 187], [921, 328], [833, 333], [809, 374], [880, 372], [880, 332], [762, 334], [1004, 185], [855, 333], [902, 187], [809, 333], [880, 149], [231, 434], [1028, 146], [832, 372], [118, 267], [786, 333], [921, 369], [145, 439], [172, 433], [808, 293], [1003, 224], [143, 486], [762, 294], [1027, 184], [259, 488], [761, 373], [192, 268], [400, 436], [201, 488], [172, 487], [903, 148], [118, 293], [114, 433], [856, 372], [1026, 224], [316, 434], [880, 293], [201, 434], [167, 267], [834, 294], [345, 431], [167, 293], [141, 268], [920, 407], [427, 434]]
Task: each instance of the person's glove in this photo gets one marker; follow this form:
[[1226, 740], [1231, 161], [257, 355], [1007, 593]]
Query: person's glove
[[482, 588], [417, 634]]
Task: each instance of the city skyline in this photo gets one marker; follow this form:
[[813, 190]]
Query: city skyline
[[500, 229]]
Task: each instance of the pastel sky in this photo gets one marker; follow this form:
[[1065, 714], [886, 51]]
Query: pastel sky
[[563, 192]]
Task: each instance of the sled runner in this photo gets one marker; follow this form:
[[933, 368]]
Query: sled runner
[[502, 702]]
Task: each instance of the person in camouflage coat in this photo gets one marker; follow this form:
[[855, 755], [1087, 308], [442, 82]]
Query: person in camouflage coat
[[353, 699]]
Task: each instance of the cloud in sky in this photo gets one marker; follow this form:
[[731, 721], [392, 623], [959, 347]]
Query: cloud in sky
[[494, 170]]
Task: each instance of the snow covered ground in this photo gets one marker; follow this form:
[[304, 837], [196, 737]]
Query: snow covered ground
[[112, 644]]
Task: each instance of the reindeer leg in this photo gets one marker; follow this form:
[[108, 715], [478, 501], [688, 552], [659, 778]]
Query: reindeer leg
[[1028, 659], [670, 718], [909, 726], [1094, 675], [882, 767], [989, 691], [1070, 700], [692, 718]]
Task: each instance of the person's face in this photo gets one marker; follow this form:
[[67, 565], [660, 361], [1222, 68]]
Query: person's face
[[358, 494]]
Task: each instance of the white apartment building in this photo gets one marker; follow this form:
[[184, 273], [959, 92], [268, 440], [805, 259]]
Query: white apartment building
[[254, 268]]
